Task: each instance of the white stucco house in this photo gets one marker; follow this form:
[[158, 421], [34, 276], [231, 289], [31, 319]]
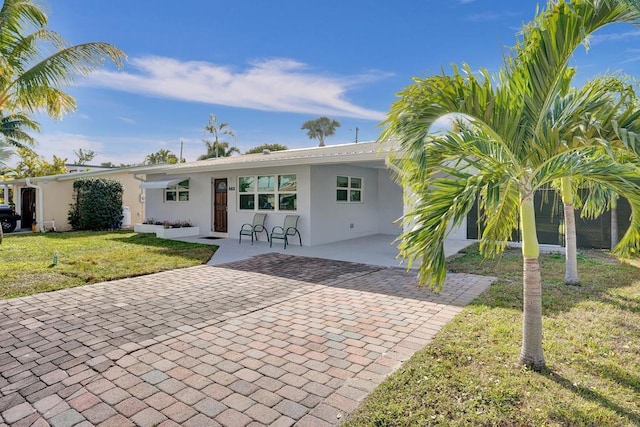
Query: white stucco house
[[339, 192]]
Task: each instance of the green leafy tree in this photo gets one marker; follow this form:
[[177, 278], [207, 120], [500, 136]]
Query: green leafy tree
[[216, 147], [97, 204], [500, 152], [320, 128], [161, 156], [269, 147], [84, 156], [37, 62], [31, 165]]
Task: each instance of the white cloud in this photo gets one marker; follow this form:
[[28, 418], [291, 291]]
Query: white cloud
[[63, 145], [127, 120], [599, 38], [490, 16], [282, 85]]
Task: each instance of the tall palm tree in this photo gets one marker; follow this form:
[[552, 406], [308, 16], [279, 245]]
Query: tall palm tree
[[582, 117], [501, 151], [36, 64], [216, 147], [320, 128]]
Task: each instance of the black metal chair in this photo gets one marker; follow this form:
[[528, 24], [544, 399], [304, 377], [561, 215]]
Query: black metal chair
[[254, 228], [288, 229]]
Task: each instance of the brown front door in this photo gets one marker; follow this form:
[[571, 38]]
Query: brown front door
[[220, 205], [28, 211]]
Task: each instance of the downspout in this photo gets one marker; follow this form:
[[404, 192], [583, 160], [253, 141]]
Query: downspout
[[141, 199], [40, 207]]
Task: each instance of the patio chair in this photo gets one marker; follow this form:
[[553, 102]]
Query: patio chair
[[288, 229], [257, 226]]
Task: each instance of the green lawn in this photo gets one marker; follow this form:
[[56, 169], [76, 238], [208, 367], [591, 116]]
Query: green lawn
[[26, 260], [468, 374]]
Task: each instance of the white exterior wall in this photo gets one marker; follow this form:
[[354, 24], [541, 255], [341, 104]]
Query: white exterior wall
[[199, 208], [333, 221], [322, 218], [274, 218], [390, 206]]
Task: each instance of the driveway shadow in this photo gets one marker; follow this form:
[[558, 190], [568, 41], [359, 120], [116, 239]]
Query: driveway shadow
[[459, 290]]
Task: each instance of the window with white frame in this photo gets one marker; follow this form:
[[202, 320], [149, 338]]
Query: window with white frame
[[178, 192], [348, 189], [268, 193]]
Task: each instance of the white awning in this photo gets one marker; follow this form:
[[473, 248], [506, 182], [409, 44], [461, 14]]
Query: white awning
[[161, 184]]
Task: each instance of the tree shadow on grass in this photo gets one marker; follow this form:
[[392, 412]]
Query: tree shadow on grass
[[598, 274], [591, 395], [201, 252], [622, 377], [148, 239]]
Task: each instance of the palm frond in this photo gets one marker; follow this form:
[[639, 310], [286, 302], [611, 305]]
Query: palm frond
[[12, 130], [446, 201], [540, 58], [60, 69]]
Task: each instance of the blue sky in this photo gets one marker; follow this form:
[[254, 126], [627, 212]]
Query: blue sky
[[265, 67]]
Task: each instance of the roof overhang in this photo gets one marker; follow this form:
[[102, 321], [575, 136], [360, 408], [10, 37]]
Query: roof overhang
[[166, 183]]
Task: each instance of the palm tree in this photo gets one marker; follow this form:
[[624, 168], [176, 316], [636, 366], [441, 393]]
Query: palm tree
[[583, 117], [217, 147], [220, 149], [12, 131], [36, 64], [161, 156], [320, 128], [500, 151]]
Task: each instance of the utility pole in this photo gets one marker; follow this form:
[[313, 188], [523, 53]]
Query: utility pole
[[181, 145], [357, 129]]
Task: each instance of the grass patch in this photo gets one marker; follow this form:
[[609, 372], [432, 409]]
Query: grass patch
[[88, 257], [468, 374]]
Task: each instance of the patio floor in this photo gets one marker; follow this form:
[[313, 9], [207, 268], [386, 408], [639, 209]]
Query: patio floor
[[378, 249]]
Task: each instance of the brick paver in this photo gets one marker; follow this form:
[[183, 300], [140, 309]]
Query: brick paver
[[274, 339]]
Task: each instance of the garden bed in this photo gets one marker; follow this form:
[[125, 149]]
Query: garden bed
[[164, 232]]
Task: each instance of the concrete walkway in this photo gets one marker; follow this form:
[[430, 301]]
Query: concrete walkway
[[270, 340]]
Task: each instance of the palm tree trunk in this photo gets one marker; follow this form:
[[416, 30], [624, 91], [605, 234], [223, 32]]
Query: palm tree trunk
[[614, 221], [571, 247], [531, 354]]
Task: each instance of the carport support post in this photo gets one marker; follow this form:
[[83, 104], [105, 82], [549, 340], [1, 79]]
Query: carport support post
[[5, 194]]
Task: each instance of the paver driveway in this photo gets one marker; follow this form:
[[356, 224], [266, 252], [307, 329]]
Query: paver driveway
[[272, 340]]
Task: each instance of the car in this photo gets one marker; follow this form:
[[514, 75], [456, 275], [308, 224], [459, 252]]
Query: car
[[8, 218]]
